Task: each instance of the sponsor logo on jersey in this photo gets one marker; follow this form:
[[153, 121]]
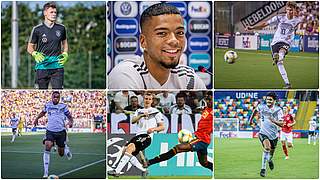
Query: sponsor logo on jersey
[[199, 43], [199, 26], [44, 38], [126, 26], [58, 33], [126, 9], [199, 9]]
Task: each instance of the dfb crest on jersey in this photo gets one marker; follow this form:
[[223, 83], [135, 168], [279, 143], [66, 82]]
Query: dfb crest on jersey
[[44, 38], [58, 33], [126, 8]]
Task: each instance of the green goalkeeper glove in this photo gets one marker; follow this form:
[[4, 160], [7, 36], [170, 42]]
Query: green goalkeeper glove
[[38, 56], [63, 58]]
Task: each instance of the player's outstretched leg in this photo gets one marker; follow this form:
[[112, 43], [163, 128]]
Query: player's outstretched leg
[[184, 147], [202, 157], [67, 152], [265, 158], [309, 138], [13, 136], [282, 70], [271, 165]]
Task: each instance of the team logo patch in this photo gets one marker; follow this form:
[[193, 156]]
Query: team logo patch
[[58, 33]]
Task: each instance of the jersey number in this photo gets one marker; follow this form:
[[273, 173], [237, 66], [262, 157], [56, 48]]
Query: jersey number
[[283, 31]]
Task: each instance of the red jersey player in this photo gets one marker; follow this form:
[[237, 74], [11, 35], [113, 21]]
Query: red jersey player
[[199, 144], [286, 131]]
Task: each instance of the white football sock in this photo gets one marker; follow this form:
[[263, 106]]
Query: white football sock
[[13, 138], [134, 161], [124, 160], [283, 72], [281, 55], [309, 139], [46, 161], [66, 150], [265, 158]]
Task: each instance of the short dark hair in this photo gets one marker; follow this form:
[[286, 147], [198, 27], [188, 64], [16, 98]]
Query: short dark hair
[[273, 95], [55, 92], [132, 97], [49, 5], [180, 95], [157, 10]]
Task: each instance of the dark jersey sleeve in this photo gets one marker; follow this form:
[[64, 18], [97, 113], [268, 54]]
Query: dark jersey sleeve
[[33, 36], [64, 34]]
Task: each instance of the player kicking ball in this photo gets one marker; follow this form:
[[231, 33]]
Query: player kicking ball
[[286, 135], [55, 130], [271, 116], [283, 37], [149, 120], [199, 144]]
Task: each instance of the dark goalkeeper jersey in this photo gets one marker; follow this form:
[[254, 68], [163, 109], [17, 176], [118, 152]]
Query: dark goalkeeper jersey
[[48, 41]]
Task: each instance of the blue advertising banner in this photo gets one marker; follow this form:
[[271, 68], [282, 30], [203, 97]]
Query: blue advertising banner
[[295, 44], [311, 43], [245, 94], [265, 41], [183, 164]]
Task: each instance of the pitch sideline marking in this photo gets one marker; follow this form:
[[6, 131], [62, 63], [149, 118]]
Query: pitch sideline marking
[[29, 152], [82, 167]]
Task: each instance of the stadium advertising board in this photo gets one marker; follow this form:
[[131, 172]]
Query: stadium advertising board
[[245, 94], [261, 13], [120, 123], [311, 43], [224, 41], [115, 143], [266, 39], [183, 164], [246, 42]]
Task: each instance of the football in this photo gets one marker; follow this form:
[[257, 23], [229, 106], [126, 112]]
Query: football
[[230, 57], [184, 136], [52, 176]]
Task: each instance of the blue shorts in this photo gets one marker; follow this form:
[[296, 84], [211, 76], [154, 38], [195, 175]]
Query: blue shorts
[[199, 146]]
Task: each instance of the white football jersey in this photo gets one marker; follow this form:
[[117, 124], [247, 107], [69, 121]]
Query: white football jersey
[[267, 127], [133, 74], [312, 125], [145, 123], [285, 28]]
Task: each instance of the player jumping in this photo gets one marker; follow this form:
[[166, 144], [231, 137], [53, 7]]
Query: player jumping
[[199, 144], [14, 121], [56, 132], [149, 120], [271, 117], [286, 134], [283, 37], [312, 131]]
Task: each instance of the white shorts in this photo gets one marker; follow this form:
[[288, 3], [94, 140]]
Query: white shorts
[[286, 136]]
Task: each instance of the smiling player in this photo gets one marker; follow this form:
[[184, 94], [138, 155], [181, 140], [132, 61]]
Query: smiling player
[[163, 41]]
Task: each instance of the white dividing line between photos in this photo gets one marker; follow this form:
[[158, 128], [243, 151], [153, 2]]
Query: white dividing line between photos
[[82, 167]]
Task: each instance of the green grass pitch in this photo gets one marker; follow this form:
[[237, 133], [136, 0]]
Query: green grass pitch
[[241, 158], [23, 158], [254, 70]]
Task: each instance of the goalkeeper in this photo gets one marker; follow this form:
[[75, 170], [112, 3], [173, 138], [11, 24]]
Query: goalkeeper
[[49, 48]]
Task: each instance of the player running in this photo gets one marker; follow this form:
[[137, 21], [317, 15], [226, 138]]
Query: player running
[[286, 135], [14, 121], [271, 117], [283, 37], [312, 132], [199, 144], [49, 47], [56, 132], [149, 120]]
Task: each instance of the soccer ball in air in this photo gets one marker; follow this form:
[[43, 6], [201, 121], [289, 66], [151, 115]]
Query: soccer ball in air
[[184, 136], [230, 57], [52, 176]]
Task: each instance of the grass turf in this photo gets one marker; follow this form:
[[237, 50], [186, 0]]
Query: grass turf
[[254, 70], [23, 158], [241, 158]]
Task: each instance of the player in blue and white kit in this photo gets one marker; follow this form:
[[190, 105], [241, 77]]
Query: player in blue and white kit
[[14, 121], [271, 117], [283, 37], [312, 131], [56, 131]]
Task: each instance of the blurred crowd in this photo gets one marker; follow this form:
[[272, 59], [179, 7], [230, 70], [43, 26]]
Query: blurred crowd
[[167, 102], [309, 10], [84, 106], [242, 110]]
